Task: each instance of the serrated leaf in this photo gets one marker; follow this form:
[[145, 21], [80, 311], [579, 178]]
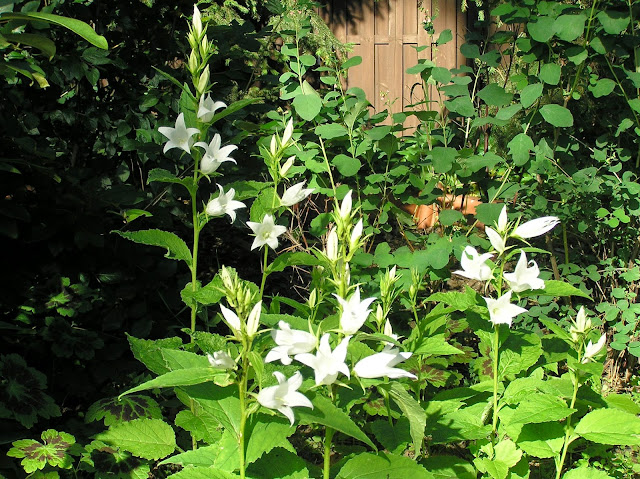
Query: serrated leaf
[[53, 451], [557, 115], [393, 437], [449, 467], [203, 473], [326, 413], [437, 345], [76, 26], [280, 463], [176, 247], [266, 434], [164, 176], [506, 456], [557, 288], [541, 440], [586, 472], [115, 410], [150, 439], [382, 465], [181, 377], [540, 408], [412, 410], [610, 426], [296, 258], [201, 457]]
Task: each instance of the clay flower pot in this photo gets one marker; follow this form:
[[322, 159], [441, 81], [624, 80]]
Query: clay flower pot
[[426, 216]]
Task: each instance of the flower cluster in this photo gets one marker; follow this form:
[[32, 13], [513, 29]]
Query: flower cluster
[[526, 273]]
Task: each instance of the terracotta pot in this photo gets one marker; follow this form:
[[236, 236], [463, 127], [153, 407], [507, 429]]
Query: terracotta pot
[[426, 216]]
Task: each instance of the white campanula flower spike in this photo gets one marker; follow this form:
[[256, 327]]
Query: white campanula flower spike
[[326, 364], [474, 265], [354, 312], [207, 108], [289, 343], [593, 349], [266, 232], [501, 311], [580, 326], [382, 365], [295, 194], [214, 155], [503, 221], [525, 276], [346, 205], [224, 204], [232, 320], [497, 241], [284, 395], [221, 360], [179, 136], [536, 227]]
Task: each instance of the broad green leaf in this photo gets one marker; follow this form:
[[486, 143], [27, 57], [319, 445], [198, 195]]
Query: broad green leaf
[[556, 288], [586, 472], [494, 95], [519, 148], [614, 22], [267, 433], [577, 54], [462, 106], [506, 456], [449, 467], [436, 345], [53, 451], [329, 131], [622, 402], [202, 457], [449, 217], [235, 106], [610, 426], [280, 463], [346, 165], [541, 28], [541, 440], [470, 50], [530, 94], [550, 73], [445, 37], [180, 377], [201, 426], [541, 408], [441, 75], [382, 465], [326, 413], [603, 87], [557, 115], [463, 424], [508, 112], [518, 353], [213, 403], [307, 106], [569, 27], [412, 410], [203, 473], [176, 247], [296, 258], [42, 43], [393, 437], [76, 26], [150, 439], [149, 352], [114, 410], [352, 62], [443, 158]]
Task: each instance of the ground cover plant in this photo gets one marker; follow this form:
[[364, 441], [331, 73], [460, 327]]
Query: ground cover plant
[[329, 337]]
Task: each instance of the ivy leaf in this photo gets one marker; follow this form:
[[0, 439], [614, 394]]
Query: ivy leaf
[[114, 410], [52, 450], [176, 247], [389, 466], [557, 115], [610, 426], [147, 438]]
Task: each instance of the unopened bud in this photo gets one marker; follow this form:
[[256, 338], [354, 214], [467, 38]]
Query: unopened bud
[[345, 206], [253, 322], [273, 148], [356, 233], [379, 314], [192, 63], [288, 133], [284, 169], [203, 83], [197, 21], [313, 297], [332, 245]]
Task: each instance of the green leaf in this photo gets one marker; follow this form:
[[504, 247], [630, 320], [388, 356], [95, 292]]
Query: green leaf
[[296, 258], [201, 457], [622, 402], [346, 165], [265, 434], [470, 50], [235, 106], [115, 410], [203, 473], [176, 247], [603, 87], [541, 28], [53, 451], [329, 131], [150, 439], [352, 62], [326, 413], [441, 75], [437, 345], [163, 176], [213, 403], [610, 426], [393, 437], [577, 54], [44, 44], [280, 463], [541, 440], [530, 94], [180, 377], [557, 115], [519, 148], [557, 288], [443, 158], [382, 465], [461, 105], [307, 106], [550, 73], [449, 467], [412, 410], [518, 353], [540, 408], [569, 27], [506, 456], [494, 95], [586, 472], [508, 112], [614, 22], [76, 26], [449, 217]]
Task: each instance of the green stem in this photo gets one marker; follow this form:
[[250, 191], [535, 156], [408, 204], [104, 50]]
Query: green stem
[[264, 270], [242, 391], [496, 346], [196, 239], [328, 436], [565, 446]]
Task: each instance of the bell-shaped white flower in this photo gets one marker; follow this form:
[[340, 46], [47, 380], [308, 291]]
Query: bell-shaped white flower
[[179, 136], [295, 194], [536, 227], [232, 320], [474, 265], [581, 325], [288, 133], [497, 241], [266, 232], [284, 395], [224, 204], [382, 365], [503, 221], [207, 108], [289, 343], [221, 360], [501, 311], [525, 276], [331, 250], [593, 349], [326, 364], [214, 156], [354, 312]]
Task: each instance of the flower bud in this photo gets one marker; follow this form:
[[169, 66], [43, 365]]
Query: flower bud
[[356, 233], [288, 133], [197, 22], [192, 63], [203, 83], [332, 245], [345, 206], [313, 298], [379, 314], [273, 148], [284, 169], [253, 322]]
